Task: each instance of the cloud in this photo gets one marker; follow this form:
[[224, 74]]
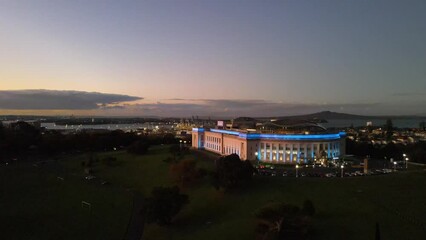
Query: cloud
[[235, 108], [92, 103], [408, 94], [60, 100]]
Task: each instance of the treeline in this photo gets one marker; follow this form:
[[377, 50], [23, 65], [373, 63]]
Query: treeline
[[25, 139], [415, 152]]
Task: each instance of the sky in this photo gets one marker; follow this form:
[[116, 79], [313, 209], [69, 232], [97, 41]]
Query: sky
[[212, 58]]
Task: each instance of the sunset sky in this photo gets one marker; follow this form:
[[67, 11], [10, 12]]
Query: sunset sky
[[212, 58]]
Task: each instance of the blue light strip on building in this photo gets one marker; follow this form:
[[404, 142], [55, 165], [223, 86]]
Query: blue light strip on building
[[225, 131], [290, 136], [253, 136]]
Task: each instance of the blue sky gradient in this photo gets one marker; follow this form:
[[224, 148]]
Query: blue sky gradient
[[363, 57]]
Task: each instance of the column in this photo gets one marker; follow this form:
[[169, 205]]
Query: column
[[271, 147], [258, 152], [291, 152], [305, 155], [278, 152], [298, 153], [328, 150], [284, 153], [264, 151]]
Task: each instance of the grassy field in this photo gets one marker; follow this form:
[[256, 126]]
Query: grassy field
[[35, 204]]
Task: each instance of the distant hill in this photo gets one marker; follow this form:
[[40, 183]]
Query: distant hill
[[329, 115], [325, 115]]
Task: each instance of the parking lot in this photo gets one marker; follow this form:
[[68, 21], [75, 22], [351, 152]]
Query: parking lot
[[321, 172]]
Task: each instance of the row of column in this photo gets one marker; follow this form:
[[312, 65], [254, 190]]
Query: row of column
[[231, 149], [296, 152], [212, 143]]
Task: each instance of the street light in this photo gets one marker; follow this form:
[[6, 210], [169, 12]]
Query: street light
[[341, 170], [297, 170], [404, 157], [394, 166], [406, 162]]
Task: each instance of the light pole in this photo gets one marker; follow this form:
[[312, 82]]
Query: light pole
[[297, 170], [406, 163], [404, 157], [394, 166], [341, 170]]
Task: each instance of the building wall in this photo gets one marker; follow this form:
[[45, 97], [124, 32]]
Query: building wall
[[198, 138], [213, 142], [297, 151], [233, 144], [278, 151]]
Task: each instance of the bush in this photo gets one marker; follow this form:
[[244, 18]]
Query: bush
[[164, 204]]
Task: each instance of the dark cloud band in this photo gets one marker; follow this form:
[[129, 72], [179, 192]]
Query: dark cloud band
[[59, 100]]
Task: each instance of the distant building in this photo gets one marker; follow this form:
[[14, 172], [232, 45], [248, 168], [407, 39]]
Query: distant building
[[290, 144]]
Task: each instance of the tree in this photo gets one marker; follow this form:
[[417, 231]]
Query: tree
[[282, 221], [184, 172], [177, 151], [139, 147], [1, 131], [169, 138], [377, 231], [231, 172], [389, 129], [422, 125], [164, 204]]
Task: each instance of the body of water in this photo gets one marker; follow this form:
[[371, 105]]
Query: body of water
[[112, 127]]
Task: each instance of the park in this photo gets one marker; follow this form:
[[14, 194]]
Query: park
[[45, 200]]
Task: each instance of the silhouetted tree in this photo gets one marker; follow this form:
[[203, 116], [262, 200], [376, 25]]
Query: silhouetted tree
[[139, 147], [184, 172], [389, 129], [176, 152], [282, 221], [164, 204], [377, 231], [422, 125], [169, 138], [231, 172]]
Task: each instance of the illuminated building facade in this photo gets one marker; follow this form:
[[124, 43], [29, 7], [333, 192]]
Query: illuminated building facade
[[271, 147]]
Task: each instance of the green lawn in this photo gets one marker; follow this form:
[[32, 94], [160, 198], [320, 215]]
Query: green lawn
[[36, 205]]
